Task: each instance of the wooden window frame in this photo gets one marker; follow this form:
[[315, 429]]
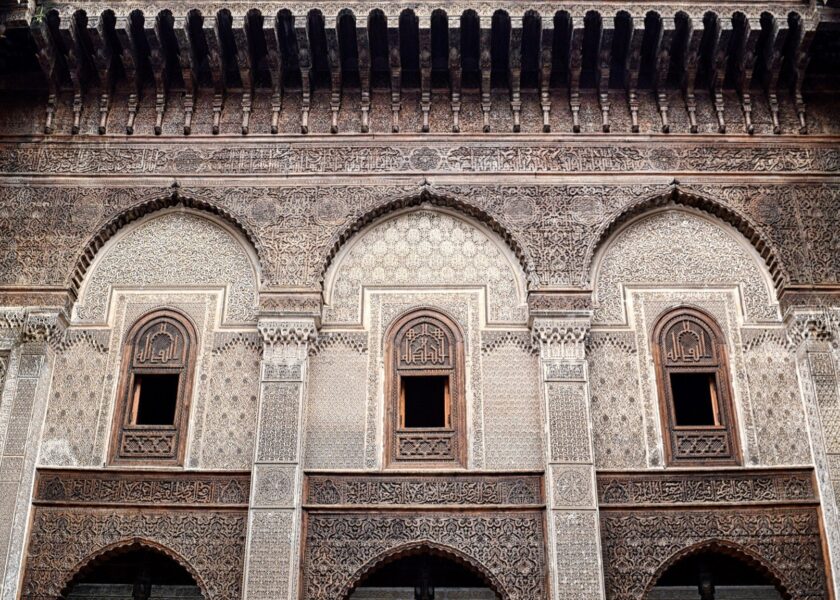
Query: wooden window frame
[[398, 437], [165, 444], [679, 439]]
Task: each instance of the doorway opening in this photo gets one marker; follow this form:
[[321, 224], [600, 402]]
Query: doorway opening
[[133, 573], [424, 576], [715, 575]]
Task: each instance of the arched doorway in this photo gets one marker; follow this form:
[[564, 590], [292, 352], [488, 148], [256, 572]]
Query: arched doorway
[[424, 575], [133, 573], [716, 574]]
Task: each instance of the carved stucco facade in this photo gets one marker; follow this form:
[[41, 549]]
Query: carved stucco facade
[[292, 256]]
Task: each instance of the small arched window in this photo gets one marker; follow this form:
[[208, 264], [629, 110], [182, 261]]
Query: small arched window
[[425, 391], [152, 407], [695, 397]]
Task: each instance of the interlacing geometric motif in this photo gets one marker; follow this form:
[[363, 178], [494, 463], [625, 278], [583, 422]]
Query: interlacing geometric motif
[[638, 543], [209, 544], [507, 548]]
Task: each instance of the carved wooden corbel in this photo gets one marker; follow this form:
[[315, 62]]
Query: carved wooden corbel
[[485, 64], [546, 53], [455, 76], [603, 74], [692, 55], [634, 56], [515, 74], [575, 68]]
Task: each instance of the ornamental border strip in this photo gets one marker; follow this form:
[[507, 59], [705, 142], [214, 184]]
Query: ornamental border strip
[[124, 488], [623, 490], [435, 156], [328, 491]]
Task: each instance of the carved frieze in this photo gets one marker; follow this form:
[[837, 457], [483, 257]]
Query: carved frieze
[[299, 228], [514, 156], [722, 487], [432, 490], [124, 488]]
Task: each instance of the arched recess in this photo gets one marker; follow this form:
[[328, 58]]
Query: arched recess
[[437, 258], [725, 548], [419, 548], [105, 554], [175, 198], [675, 244], [150, 247], [680, 196], [432, 198]]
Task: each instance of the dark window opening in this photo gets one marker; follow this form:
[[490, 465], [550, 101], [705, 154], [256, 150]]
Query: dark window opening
[[695, 399], [155, 399], [425, 401]]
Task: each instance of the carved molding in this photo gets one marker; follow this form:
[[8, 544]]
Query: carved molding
[[129, 488], [719, 488], [515, 156], [561, 338], [429, 491], [288, 333]]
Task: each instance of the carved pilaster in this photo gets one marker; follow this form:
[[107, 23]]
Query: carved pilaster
[[274, 522], [573, 528], [26, 342], [814, 336]]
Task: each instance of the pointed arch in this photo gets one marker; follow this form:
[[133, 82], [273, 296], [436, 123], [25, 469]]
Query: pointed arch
[[680, 196], [726, 548], [175, 198], [100, 556], [423, 547], [428, 196]]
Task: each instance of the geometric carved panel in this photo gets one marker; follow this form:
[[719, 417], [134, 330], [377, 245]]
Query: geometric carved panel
[[506, 547], [680, 249], [424, 248], [513, 410], [210, 543], [640, 544], [171, 250]]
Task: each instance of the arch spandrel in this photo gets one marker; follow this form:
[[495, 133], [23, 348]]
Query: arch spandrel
[[173, 248], [425, 248], [680, 247]]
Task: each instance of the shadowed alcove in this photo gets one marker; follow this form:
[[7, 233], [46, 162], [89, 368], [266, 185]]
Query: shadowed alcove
[[135, 573], [714, 575], [424, 576]]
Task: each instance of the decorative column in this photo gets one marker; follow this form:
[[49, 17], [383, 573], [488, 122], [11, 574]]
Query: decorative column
[[573, 525], [26, 357], [814, 336], [274, 521]]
